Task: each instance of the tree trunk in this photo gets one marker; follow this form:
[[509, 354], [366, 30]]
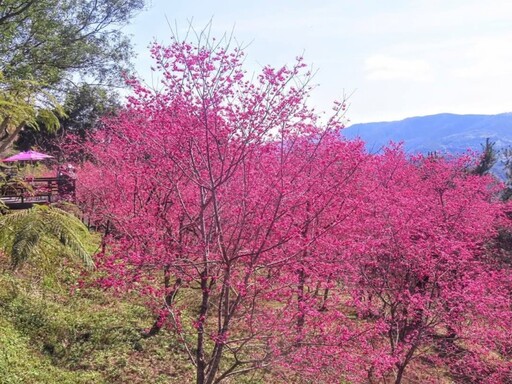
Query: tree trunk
[[300, 299], [400, 374], [224, 319], [169, 299], [200, 359], [11, 137]]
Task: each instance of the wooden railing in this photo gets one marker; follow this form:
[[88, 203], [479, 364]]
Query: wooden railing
[[37, 190]]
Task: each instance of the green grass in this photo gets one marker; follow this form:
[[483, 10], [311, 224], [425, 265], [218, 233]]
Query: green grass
[[53, 334], [19, 363]]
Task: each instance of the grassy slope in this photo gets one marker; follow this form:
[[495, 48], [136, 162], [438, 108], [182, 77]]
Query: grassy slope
[[20, 364], [52, 335]]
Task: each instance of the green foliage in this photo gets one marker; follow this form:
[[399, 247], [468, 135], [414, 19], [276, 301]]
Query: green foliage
[[47, 45], [25, 103], [84, 106], [30, 234], [50, 40], [507, 164]]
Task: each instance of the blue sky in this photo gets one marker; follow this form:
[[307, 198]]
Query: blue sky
[[395, 58]]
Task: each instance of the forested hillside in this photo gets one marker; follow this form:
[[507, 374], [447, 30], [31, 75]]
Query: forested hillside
[[444, 133]]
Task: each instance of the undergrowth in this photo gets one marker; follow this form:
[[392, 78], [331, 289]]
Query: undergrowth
[[55, 332]]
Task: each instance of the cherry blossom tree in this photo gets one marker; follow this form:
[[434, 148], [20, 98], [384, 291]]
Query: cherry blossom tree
[[213, 184]]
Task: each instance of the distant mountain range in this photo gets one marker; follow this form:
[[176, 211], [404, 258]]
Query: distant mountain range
[[444, 132]]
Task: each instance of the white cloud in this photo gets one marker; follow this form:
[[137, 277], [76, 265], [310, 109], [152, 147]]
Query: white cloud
[[381, 67]]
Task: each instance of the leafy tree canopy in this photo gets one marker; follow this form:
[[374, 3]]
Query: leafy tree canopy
[[83, 106], [51, 40], [23, 103], [48, 46]]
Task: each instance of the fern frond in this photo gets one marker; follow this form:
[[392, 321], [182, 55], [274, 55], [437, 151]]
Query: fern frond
[[24, 246], [65, 228], [22, 233]]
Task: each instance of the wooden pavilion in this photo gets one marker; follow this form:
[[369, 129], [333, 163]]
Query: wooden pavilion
[[22, 193]]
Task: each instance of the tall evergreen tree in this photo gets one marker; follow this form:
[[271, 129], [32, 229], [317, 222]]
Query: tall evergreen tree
[[487, 159]]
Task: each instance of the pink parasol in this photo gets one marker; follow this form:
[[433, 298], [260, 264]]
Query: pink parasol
[[28, 156]]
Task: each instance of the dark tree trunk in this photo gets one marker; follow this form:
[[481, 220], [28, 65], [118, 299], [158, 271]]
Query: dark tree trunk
[[300, 299], [200, 358], [169, 299]]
